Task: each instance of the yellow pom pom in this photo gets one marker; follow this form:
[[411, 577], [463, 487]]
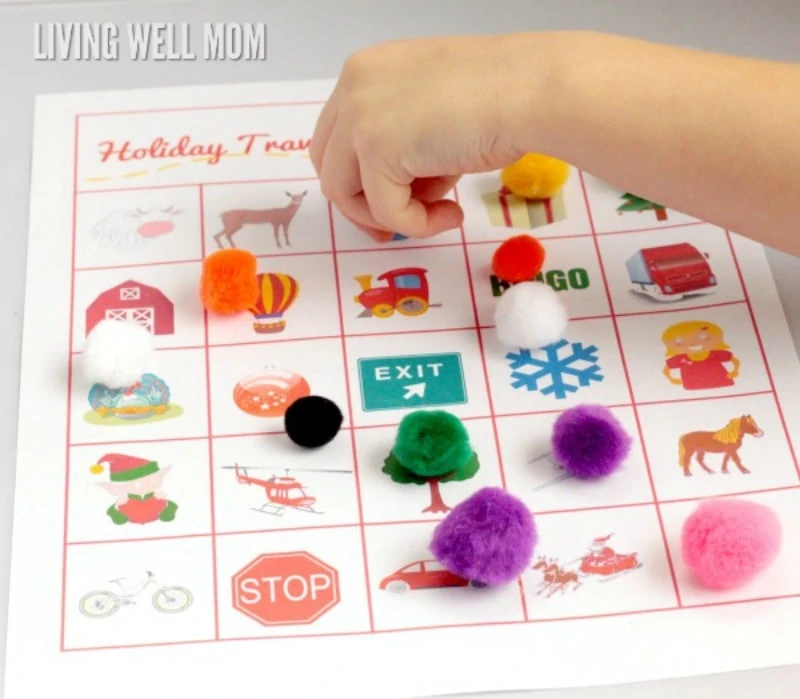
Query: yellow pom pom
[[96, 469], [535, 176]]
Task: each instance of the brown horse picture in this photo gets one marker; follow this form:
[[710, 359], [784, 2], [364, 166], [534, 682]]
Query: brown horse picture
[[726, 441]]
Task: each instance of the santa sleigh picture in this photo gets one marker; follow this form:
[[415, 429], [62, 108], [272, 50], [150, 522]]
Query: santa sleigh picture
[[601, 563]]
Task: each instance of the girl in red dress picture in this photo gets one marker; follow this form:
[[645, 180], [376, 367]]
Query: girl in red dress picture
[[697, 356]]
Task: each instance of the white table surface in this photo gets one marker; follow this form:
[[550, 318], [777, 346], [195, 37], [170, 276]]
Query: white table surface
[[310, 39]]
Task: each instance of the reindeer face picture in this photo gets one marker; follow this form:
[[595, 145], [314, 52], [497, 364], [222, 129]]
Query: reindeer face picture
[[726, 441], [279, 218], [132, 229]]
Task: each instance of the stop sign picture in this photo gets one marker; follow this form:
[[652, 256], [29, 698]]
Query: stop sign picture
[[285, 588]]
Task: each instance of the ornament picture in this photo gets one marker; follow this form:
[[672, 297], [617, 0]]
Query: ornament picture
[[431, 447], [727, 543], [269, 393]]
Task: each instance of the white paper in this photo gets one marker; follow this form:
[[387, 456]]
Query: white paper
[[119, 226]]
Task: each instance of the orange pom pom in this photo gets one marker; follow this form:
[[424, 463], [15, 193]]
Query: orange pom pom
[[229, 283], [518, 259]]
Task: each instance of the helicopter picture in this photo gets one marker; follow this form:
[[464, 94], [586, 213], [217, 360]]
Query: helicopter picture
[[282, 492]]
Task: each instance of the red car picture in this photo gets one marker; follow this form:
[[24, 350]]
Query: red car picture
[[423, 575]]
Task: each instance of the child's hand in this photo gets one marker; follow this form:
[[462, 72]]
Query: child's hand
[[407, 118]]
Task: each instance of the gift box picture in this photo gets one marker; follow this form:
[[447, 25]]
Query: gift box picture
[[508, 210]]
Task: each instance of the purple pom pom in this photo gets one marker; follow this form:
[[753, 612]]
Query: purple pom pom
[[589, 442], [487, 539]]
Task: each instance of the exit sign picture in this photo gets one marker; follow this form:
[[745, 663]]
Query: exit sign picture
[[411, 381]]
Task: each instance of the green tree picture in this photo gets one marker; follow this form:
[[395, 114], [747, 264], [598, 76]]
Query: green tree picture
[[400, 474], [636, 203]]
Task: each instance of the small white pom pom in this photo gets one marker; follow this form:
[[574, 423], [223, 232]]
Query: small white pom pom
[[117, 353], [530, 315]]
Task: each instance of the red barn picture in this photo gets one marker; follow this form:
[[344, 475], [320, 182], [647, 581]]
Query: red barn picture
[[133, 301]]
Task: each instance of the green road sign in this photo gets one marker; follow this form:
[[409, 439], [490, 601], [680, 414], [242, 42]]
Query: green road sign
[[411, 381]]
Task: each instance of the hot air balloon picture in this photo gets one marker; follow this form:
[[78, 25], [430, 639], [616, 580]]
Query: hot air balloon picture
[[277, 293]]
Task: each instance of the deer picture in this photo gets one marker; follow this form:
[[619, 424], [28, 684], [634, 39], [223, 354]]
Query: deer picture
[[555, 578], [280, 217]]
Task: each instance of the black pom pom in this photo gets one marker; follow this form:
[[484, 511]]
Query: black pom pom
[[312, 421]]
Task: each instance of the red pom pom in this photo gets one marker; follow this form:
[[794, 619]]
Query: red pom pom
[[229, 283], [518, 259]]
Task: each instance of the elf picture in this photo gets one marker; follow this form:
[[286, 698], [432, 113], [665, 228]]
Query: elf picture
[[136, 484], [697, 356]]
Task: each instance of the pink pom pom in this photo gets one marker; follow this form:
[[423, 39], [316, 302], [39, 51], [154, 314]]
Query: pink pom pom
[[726, 543]]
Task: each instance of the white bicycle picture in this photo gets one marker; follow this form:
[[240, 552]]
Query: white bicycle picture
[[168, 599]]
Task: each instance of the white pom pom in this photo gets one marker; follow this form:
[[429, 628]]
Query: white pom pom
[[117, 353], [530, 315]]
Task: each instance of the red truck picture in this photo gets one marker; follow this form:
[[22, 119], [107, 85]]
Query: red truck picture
[[671, 272]]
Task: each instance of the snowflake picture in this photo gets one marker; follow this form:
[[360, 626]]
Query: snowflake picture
[[558, 369]]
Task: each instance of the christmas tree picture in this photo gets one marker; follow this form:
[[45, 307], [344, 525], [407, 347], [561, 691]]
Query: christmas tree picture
[[634, 203]]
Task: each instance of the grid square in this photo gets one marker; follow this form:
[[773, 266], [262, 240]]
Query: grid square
[[389, 379], [351, 239], [386, 501], [627, 570], [612, 389], [483, 222], [571, 268], [407, 298], [281, 486], [778, 580], [646, 355], [182, 480], [531, 472], [185, 416], [605, 200], [673, 433], [137, 227], [406, 596], [251, 385], [283, 312], [152, 617], [260, 215], [650, 272], [163, 299], [339, 548]]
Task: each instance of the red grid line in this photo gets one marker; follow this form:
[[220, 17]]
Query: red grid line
[[346, 370], [195, 108], [210, 429], [667, 551], [385, 425], [446, 627], [763, 353], [190, 185], [669, 226], [433, 520], [70, 369], [481, 349]]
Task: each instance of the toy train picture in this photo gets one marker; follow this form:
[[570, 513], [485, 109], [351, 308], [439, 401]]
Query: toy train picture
[[671, 272]]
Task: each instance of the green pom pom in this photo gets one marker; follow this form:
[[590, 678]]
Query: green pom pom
[[432, 443]]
